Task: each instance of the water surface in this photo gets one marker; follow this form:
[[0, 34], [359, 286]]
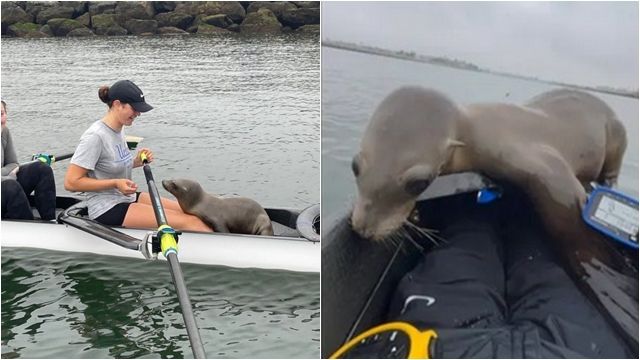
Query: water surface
[[239, 114]]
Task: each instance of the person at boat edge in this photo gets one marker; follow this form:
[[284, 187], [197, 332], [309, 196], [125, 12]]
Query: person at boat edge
[[102, 165], [19, 181]]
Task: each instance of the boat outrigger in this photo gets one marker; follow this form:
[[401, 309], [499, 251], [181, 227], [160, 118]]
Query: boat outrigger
[[74, 232], [359, 276]]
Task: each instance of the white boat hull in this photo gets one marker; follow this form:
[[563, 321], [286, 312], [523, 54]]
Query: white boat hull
[[234, 250]]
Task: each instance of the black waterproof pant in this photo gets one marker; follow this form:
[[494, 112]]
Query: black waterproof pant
[[38, 178], [496, 291]]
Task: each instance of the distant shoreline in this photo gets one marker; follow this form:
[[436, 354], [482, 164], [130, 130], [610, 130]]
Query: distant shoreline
[[462, 65]]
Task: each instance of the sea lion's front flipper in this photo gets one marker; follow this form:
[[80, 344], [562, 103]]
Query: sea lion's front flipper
[[590, 258], [215, 223]]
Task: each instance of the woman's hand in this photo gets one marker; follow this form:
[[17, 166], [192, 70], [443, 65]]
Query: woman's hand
[[137, 162], [126, 186]]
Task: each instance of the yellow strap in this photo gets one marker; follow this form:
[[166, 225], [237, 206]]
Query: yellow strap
[[419, 346]]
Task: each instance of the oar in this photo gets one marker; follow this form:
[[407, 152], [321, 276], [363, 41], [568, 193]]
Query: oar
[[50, 160], [132, 143], [169, 248]]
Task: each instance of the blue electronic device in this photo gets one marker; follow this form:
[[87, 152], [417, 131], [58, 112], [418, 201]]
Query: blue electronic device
[[614, 214]]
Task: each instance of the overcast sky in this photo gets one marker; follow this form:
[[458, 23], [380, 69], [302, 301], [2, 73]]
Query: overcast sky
[[594, 43]]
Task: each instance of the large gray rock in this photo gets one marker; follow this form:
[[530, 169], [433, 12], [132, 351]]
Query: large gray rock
[[220, 20], [299, 17], [57, 12], [210, 29], [231, 8], [170, 30], [164, 6], [127, 10], [79, 7], [46, 30], [307, 4], [100, 23], [174, 19], [313, 29], [101, 7], [260, 22], [61, 27], [21, 29], [13, 14], [116, 30], [80, 32], [277, 7], [33, 8], [84, 19], [137, 26]]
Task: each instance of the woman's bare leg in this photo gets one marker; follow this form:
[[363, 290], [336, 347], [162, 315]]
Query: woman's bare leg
[[167, 204], [142, 216]]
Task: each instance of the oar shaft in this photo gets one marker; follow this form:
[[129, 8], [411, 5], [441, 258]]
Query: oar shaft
[[185, 304], [155, 197], [57, 158], [176, 271], [64, 157]]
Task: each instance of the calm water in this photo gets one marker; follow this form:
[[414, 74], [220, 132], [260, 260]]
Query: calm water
[[239, 114], [353, 84], [62, 305]]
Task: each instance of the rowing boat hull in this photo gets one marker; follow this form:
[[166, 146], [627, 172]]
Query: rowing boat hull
[[234, 250]]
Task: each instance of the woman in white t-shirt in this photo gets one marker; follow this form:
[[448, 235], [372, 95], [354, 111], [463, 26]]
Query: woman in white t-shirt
[[102, 163]]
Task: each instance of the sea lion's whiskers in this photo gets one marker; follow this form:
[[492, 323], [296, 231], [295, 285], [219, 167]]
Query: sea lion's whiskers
[[432, 232], [435, 239], [408, 237]]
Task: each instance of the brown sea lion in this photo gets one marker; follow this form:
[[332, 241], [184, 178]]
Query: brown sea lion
[[230, 215], [552, 147]]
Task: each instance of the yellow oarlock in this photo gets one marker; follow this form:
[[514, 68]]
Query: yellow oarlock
[[419, 341], [167, 240]]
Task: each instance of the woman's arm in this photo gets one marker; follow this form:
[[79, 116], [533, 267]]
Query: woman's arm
[[9, 157], [76, 179]]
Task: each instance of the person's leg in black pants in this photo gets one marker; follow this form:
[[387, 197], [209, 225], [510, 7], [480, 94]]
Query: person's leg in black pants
[[15, 204], [459, 284], [540, 293], [37, 177]]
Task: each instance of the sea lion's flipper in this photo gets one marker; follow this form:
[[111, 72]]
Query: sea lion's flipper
[[615, 148], [263, 225], [215, 223], [590, 257]]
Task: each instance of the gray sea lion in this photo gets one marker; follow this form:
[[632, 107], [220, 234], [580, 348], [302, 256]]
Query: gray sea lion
[[552, 148], [230, 215]]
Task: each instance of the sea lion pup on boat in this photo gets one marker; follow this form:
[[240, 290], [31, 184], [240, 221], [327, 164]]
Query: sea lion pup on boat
[[552, 148], [230, 215]]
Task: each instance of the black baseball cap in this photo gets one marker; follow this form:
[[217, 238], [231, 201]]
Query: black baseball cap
[[129, 93]]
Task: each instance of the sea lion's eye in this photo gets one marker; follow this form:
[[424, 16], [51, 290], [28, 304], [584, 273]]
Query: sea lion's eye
[[355, 167], [416, 187]]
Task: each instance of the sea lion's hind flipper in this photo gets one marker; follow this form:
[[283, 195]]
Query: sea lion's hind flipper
[[263, 225]]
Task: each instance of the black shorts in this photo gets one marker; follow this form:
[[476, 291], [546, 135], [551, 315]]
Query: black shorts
[[115, 216]]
